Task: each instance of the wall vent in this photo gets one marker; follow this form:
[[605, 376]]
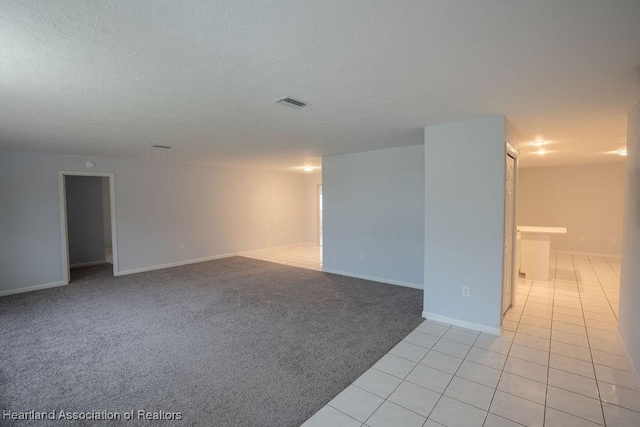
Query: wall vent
[[287, 101], [166, 147]]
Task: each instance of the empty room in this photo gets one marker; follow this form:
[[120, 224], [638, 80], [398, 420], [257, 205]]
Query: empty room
[[320, 213]]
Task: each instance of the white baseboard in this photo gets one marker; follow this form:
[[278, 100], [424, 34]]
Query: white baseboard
[[553, 251], [32, 288], [175, 264], [374, 279], [461, 323], [87, 264], [635, 371], [197, 260], [288, 245]]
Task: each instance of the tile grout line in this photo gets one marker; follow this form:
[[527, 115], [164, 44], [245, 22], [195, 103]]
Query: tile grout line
[[426, 388], [452, 377], [548, 367], [593, 363], [507, 357], [386, 398], [553, 298], [343, 413], [588, 288], [487, 366], [610, 266], [551, 331], [601, 287], [586, 336]]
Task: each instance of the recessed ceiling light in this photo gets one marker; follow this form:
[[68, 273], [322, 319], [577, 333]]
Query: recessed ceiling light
[[541, 152], [307, 168], [539, 142], [622, 152]]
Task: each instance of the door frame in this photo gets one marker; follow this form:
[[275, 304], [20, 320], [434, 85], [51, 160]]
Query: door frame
[[66, 268], [319, 212], [513, 153]]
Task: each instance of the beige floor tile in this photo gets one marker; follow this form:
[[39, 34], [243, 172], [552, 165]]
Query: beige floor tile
[[540, 357], [523, 387], [562, 322], [394, 365], [569, 338], [532, 342], [535, 331], [620, 396], [391, 415], [328, 416], [555, 418], [479, 373], [415, 398], [377, 382], [441, 361], [517, 409], [619, 416], [423, 340], [526, 369], [356, 403], [431, 378], [497, 421], [572, 351], [470, 392], [568, 327], [610, 360], [573, 382], [487, 358], [409, 351], [615, 376], [429, 328], [575, 404], [452, 348], [460, 336], [453, 413]]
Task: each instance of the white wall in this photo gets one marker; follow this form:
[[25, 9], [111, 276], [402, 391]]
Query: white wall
[[629, 319], [85, 222], [213, 211], [587, 199], [310, 215], [464, 216], [374, 204]]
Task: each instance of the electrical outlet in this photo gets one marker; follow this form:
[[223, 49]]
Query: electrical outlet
[[465, 291], [181, 246], [361, 255], [582, 238]]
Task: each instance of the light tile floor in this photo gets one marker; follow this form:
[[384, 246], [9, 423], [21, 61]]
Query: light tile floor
[[304, 255], [557, 363]]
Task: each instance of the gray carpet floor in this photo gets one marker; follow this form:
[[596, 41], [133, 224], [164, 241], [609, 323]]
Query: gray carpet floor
[[231, 342]]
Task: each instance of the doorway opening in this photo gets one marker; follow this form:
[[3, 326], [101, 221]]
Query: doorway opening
[[88, 221]]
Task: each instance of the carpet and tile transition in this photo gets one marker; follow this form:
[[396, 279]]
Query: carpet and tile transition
[[231, 342]]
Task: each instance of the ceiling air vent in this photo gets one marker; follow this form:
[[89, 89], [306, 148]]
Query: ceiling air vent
[[291, 102], [166, 147]]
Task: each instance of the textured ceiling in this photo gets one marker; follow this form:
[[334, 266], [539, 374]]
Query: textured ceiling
[[114, 77]]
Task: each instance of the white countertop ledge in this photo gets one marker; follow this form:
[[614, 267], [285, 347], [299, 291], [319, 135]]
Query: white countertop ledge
[[542, 230]]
